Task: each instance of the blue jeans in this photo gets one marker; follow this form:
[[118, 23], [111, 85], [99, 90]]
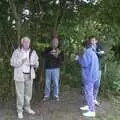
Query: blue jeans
[[52, 74]]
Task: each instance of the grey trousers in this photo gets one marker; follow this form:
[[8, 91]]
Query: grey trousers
[[24, 92]]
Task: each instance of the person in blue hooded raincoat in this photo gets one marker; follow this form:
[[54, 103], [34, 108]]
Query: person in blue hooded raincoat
[[90, 71], [100, 52]]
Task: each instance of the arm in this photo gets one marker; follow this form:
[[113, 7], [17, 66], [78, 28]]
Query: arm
[[47, 54], [99, 50], [16, 60], [61, 58], [34, 59], [85, 60]]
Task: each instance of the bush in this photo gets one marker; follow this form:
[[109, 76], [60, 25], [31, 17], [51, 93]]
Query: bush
[[6, 82], [111, 78]]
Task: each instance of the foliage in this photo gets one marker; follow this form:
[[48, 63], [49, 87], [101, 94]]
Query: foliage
[[73, 21]]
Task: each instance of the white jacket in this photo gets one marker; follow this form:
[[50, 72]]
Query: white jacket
[[16, 62]]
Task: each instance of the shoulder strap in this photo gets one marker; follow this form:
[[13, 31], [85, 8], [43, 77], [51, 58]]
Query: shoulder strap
[[30, 53], [30, 56]]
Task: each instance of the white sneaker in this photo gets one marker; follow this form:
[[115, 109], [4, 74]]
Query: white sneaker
[[96, 102], [89, 114], [30, 111], [45, 99], [84, 108], [20, 115], [57, 98]]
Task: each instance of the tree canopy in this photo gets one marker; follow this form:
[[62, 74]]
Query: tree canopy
[[73, 21]]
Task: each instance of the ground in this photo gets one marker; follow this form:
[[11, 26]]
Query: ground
[[66, 109]]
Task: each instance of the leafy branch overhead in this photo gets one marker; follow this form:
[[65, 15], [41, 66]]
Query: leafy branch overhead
[[72, 21]]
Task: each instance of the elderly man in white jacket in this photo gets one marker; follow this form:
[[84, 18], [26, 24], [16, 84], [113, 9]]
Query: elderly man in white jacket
[[25, 61]]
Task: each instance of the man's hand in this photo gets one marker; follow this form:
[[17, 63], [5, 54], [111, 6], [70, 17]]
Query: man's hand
[[55, 52], [76, 57], [101, 52], [58, 51], [24, 59]]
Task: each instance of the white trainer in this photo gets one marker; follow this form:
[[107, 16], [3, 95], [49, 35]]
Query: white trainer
[[96, 102], [20, 115], [89, 114], [84, 107], [30, 111], [57, 98], [45, 99]]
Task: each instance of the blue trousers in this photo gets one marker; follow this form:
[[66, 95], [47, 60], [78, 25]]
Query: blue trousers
[[97, 86], [95, 89], [52, 74], [89, 97], [91, 92]]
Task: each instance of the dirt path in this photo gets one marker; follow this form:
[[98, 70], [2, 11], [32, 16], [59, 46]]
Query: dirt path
[[66, 109]]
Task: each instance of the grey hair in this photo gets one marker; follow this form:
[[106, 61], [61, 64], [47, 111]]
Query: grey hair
[[25, 38]]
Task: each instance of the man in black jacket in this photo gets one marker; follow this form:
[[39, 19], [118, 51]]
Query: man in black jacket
[[54, 57]]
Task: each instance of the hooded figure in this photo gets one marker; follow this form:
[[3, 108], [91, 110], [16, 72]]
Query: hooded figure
[[90, 72], [89, 65]]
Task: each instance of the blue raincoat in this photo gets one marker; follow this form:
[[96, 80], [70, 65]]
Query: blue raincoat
[[89, 65]]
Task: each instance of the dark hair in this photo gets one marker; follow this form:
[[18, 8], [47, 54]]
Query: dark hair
[[90, 37], [85, 43]]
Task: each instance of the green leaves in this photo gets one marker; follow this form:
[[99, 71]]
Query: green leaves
[[73, 20]]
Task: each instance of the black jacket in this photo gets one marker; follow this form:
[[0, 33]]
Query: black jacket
[[51, 61], [98, 49]]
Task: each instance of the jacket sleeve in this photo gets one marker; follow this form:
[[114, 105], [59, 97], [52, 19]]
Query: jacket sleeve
[[16, 60], [34, 59], [99, 49], [85, 60], [45, 53], [61, 58]]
